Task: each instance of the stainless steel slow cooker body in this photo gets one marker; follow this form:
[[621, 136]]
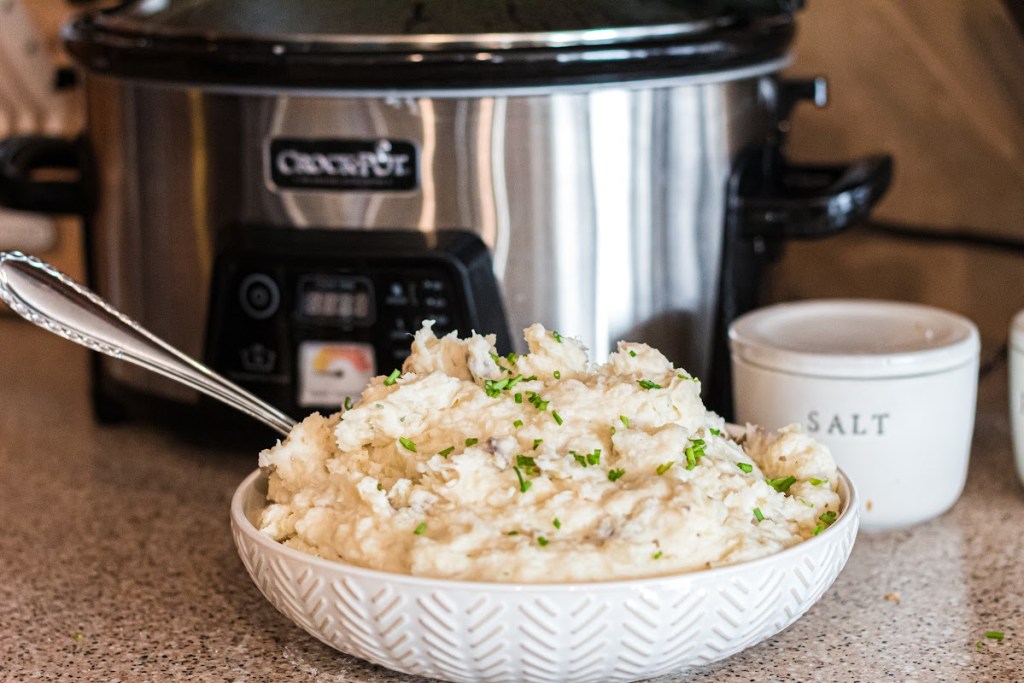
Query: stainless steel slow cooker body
[[598, 164]]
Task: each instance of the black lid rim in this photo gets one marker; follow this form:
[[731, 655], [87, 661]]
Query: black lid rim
[[253, 63]]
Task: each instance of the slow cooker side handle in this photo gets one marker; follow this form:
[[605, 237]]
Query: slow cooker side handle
[[810, 201], [34, 174]]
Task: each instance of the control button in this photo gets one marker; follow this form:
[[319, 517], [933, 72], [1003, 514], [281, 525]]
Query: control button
[[258, 358], [396, 294], [259, 296], [432, 285], [436, 302]]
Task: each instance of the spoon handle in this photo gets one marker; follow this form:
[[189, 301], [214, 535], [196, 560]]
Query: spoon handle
[[43, 295]]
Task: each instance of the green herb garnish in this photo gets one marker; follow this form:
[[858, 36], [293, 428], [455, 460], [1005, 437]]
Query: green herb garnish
[[818, 529], [557, 523], [420, 529], [781, 484], [745, 466], [715, 432], [557, 417], [817, 482], [624, 420], [648, 384], [518, 397], [657, 555], [829, 516], [541, 541], [348, 403], [446, 452], [393, 377], [517, 423], [407, 444], [662, 469], [537, 442], [558, 337], [615, 474], [758, 515], [494, 387], [524, 485], [632, 353], [471, 441], [380, 486], [512, 533], [995, 635], [528, 464], [557, 374]]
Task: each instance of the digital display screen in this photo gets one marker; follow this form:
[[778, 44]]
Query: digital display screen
[[336, 299]]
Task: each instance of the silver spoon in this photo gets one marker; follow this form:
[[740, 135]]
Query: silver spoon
[[43, 295]]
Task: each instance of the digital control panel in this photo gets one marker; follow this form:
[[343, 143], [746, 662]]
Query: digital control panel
[[305, 318]]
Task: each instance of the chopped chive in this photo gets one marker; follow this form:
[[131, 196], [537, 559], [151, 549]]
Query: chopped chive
[[715, 432], [758, 515], [512, 533], [818, 529], [595, 457], [380, 486], [810, 505], [407, 444], [691, 457], [781, 484], [689, 377], [518, 397], [446, 452], [995, 635], [472, 441], [557, 374], [632, 353], [348, 403], [541, 541], [558, 337], [557, 523], [829, 516], [624, 420], [420, 529], [817, 482], [537, 442], [517, 423], [393, 377], [524, 485], [662, 469], [581, 459], [615, 474], [648, 384], [531, 378], [512, 357], [745, 466], [557, 417], [528, 464], [657, 555]]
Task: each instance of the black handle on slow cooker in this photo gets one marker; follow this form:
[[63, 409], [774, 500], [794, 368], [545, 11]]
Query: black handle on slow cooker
[[24, 185], [807, 201]]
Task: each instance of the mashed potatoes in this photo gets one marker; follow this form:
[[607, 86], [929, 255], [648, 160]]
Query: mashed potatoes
[[541, 468]]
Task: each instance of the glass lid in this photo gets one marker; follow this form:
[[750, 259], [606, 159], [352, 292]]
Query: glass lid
[[527, 33]]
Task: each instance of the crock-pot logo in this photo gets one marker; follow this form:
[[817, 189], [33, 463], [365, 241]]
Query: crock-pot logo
[[367, 165]]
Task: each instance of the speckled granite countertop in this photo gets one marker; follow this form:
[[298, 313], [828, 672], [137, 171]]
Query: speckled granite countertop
[[116, 561]]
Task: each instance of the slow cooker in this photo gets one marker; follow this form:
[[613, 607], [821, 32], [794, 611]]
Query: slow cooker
[[290, 188]]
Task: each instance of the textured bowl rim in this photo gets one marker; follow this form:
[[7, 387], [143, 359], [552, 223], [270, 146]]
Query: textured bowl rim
[[849, 513]]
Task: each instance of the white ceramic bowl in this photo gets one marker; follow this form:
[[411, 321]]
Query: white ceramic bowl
[[609, 631]]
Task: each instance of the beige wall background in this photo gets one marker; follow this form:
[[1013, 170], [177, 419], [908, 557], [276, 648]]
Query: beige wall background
[[939, 84]]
